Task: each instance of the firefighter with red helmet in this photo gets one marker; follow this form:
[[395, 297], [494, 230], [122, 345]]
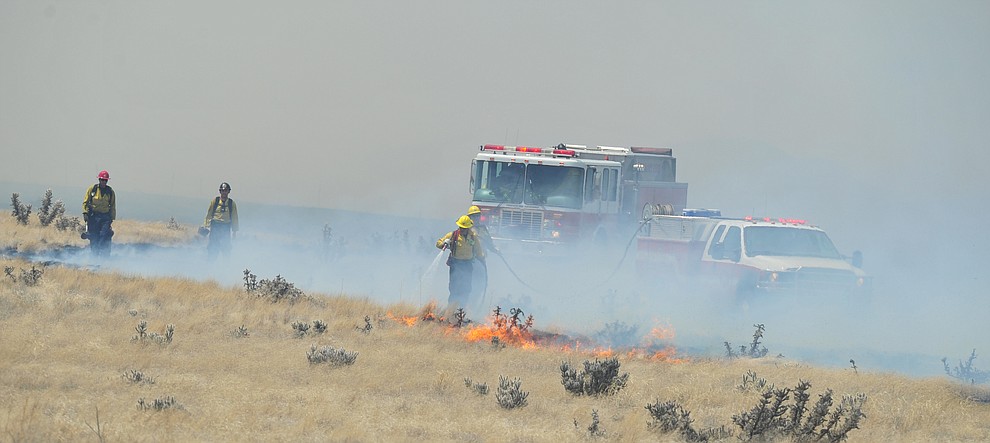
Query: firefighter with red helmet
[[99, 212], [220, 223], [465, 247]]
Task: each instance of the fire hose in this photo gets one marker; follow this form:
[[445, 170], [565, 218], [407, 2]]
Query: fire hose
[[618, 266], [625, 252], [499, 254]]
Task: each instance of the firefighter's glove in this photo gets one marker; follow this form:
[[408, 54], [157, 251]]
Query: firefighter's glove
[[86, 217]]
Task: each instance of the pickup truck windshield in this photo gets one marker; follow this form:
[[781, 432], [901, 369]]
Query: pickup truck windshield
[[778, 240], [539, 185]]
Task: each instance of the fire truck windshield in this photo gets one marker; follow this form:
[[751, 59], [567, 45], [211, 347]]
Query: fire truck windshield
[[538, 185], [786, 241]]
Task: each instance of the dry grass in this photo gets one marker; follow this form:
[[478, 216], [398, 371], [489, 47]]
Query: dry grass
[[67, 351], [67, 342], [34, 238]]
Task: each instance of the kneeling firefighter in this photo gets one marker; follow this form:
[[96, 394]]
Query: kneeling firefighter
[[465, 247], [99, 212]]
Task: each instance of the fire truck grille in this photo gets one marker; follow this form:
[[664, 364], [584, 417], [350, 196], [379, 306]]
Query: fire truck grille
[[520, 224]]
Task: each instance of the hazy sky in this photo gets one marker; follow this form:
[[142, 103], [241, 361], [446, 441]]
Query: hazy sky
[[829, 111], [871, 119]]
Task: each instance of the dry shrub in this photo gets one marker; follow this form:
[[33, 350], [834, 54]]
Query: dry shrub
[[20, 211], [597, 378], [478, 388], [49, 211], [275, 290], [159, 404], [510, 394], [331, 355], [965, 371]]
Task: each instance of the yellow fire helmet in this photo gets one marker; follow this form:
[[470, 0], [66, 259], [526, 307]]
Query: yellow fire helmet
[[474, 210], [465, 222]]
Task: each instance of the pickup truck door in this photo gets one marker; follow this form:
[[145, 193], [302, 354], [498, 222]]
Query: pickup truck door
[[725, 245], [721, 258]]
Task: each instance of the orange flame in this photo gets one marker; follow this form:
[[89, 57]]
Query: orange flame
[[406, 320], [662, 332], [498, 329], [507, 335], [602, 353], [668, 355], [426, 314]]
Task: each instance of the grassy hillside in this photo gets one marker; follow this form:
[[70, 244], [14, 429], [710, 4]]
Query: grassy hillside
[[101, 356], [33, 237]]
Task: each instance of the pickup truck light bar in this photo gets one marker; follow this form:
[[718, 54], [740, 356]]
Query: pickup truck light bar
[[789, 221]]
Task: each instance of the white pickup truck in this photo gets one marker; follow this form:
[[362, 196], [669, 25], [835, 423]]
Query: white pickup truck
[[748, 255]]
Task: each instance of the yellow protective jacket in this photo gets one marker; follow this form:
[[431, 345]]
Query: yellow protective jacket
[[100, 201], [466, 247], [481, 231], [221, 212]]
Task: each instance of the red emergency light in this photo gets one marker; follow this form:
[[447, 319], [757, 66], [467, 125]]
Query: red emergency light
[[531, 150], [792, 221]]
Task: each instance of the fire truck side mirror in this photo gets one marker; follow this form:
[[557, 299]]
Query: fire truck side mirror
[[857, 259]]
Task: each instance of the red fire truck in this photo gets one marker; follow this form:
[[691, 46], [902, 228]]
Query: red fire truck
[[546, 199]]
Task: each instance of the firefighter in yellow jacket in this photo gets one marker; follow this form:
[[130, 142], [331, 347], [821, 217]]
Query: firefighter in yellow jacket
[[465, 247], [221, 220], [99, 211], [479, 276]]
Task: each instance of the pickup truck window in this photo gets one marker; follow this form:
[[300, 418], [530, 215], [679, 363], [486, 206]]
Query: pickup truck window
[[728, 247], [732, 243], [784, 241], [715, 249]]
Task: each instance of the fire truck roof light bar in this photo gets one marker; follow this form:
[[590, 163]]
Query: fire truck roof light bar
[[531, 150]]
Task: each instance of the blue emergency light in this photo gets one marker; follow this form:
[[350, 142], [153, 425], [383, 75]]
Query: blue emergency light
[[702, 213]]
